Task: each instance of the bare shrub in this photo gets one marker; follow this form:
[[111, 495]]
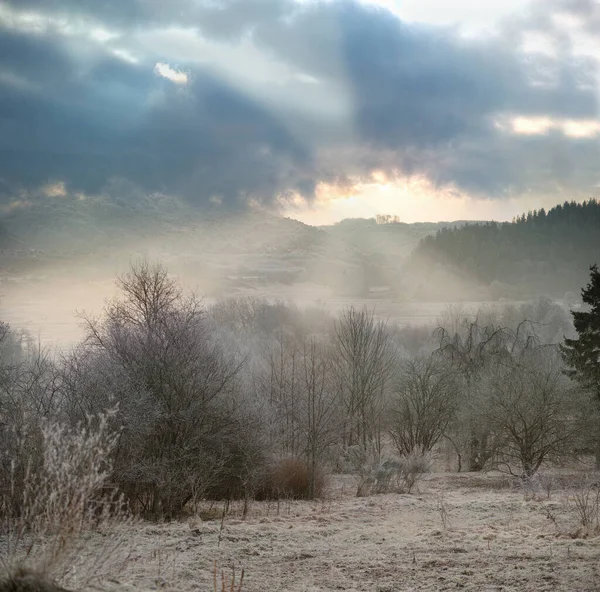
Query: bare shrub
[[442, 508], [292, 479], [392, 475], [46, 513], [23, 580], [585, 501], [537, 486], [228, 583], [547, 484], [241, 469], [414, 466], [551, 511], [349, 460], [531, 486]]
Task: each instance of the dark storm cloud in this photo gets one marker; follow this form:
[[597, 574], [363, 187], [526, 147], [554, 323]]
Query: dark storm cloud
[[422, 99], [85, 125]]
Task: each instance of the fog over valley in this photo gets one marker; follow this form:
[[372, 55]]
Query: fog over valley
[[299, 295]]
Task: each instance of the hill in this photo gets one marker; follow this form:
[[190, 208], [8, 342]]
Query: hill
[[393, 241], [222, 251], [217, 250], [540, 253]]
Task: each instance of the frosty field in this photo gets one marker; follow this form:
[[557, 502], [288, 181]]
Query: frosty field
[[457, 531]]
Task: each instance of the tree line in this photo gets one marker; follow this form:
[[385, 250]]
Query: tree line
[[206, 400], [541, 252]]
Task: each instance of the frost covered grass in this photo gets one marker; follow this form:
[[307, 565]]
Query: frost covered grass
[[489, 536], [56, 503]]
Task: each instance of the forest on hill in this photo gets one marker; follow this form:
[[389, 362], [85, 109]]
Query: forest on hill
[[537, 253]]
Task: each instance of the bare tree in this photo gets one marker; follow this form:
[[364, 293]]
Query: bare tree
[[280, 344], [284, 384], [304, 397], [423, 404], [534, 410], [174, 406], [91, 382], [29, 395], [473, 350], [241, 315], [364, 363], [319, 413], [12, 357]]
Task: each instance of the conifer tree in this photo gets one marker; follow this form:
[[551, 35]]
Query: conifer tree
[[583, 354]]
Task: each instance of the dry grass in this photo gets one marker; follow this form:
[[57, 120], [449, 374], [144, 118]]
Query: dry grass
[[492, 539], [228, 582], [453, 534], [48, 515]]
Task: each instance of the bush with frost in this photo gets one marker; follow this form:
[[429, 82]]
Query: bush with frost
[[392, 474], [47, 513]]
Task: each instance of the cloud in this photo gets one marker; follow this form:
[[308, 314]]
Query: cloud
[[106, 118], [574, 128], [169, 73], [273, 97]]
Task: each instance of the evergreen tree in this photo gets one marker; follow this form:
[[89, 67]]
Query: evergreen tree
[[583, 354], [540, 253]]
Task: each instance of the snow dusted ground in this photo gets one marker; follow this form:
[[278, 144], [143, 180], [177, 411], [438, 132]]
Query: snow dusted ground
[[458, 531]]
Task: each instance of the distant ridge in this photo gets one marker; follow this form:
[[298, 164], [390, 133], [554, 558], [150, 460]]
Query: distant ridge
[[537, 253]]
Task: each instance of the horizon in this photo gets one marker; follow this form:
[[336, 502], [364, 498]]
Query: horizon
[[464, 211], [516, 210]]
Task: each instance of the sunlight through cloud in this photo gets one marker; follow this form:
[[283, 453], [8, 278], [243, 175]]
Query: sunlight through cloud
[[171, 74]]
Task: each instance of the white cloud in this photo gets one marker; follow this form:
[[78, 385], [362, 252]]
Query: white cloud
[[537, 126], [166, 71], [55, 189]]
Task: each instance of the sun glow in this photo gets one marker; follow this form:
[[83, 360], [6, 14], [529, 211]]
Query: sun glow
[[411, 198]]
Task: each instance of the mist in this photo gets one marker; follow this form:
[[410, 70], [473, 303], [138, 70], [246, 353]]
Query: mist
[[194, 367], [201, 391]]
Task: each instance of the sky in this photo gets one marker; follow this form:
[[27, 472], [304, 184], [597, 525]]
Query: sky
[[315, 109]]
